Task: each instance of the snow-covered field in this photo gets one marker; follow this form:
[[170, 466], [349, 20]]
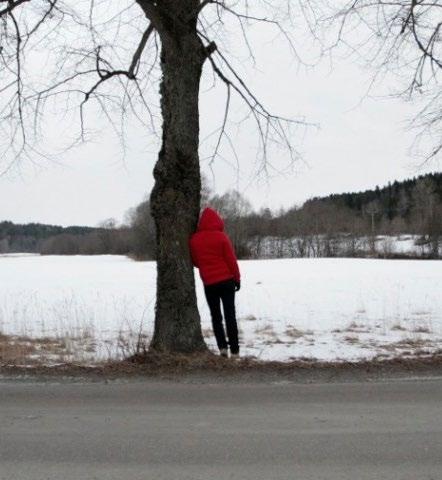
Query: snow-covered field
[[326, 309]]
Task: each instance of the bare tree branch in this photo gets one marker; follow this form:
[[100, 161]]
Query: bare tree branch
[[402, 41], [138, 52], [11, 6]]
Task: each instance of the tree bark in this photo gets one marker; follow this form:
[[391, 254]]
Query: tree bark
[[175, 198]]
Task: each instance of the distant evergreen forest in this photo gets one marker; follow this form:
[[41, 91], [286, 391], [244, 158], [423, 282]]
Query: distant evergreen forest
[[346, 224], [397, 199]]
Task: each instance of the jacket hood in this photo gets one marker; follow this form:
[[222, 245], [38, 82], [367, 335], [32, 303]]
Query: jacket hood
[[210, 220]]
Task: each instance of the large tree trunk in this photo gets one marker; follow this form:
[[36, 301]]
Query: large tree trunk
[[175, 198]]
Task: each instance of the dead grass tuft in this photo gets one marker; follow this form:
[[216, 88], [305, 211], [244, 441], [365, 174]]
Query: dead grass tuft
[[266, 330], [351, 339], [293, 332], [275, 340], [421, 329], [408, 346], [398, 327], [356, 328], [24, 350], [411, 343]]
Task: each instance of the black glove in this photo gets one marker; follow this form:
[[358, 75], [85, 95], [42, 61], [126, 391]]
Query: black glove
[[237, 286]]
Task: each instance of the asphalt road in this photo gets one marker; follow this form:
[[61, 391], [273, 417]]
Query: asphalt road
[[148, 430]]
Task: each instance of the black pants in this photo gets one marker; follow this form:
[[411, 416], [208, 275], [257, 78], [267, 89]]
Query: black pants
[[215, 294]]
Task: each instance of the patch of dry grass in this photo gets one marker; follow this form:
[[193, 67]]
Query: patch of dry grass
[[275, 340], [266, 330], [351, 339], [15, 350], [24, 350], [356, 328], [421, 329], [293, 332], [408, 346], [27, 350], [411, 343], [398, 327]]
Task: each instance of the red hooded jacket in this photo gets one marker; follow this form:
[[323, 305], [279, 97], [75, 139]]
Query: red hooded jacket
[[212, 251]]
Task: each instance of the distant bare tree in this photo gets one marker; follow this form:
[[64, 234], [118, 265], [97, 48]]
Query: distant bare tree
[[206, 192], [423, 203], [143, 229], [427, 214], [63, 244], [4, 245], [106, 234], [374, 212], [234, 208], [435, 231], [259, 226]]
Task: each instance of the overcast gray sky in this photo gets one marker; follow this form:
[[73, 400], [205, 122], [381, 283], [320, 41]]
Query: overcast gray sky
[[361, 143]]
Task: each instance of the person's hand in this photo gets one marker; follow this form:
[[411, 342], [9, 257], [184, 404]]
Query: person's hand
[[237, 286]]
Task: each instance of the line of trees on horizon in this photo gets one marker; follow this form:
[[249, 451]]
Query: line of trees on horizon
[[348, 224]]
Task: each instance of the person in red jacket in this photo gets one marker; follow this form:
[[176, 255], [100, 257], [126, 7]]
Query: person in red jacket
[[213, 254]]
